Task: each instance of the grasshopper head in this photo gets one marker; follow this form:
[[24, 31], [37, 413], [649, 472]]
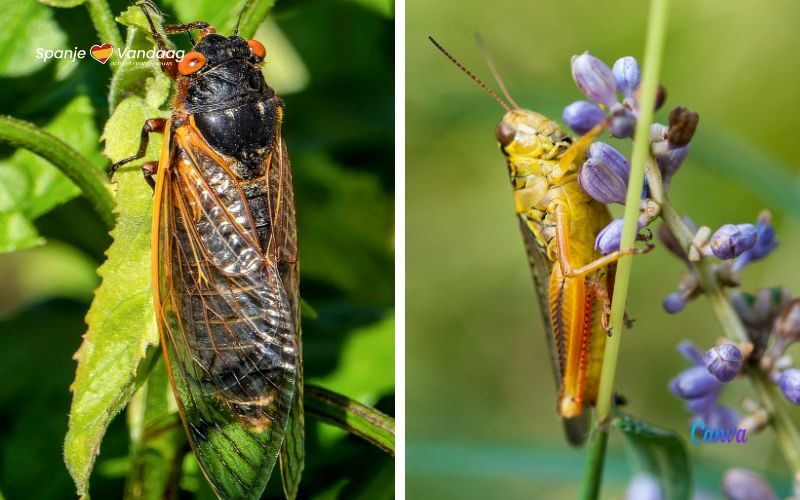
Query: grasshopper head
[[523, 132]]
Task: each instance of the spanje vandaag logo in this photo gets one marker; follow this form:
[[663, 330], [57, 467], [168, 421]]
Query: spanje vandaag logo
[[103, 52], [702, 434]]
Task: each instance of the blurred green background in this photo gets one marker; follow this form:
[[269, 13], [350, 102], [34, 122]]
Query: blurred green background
[[480, 398], [332, 63]]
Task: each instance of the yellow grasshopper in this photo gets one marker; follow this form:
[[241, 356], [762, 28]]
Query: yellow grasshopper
[[559, 222]]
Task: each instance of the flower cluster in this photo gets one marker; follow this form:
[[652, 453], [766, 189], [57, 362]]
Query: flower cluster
[[614, 105], [701, 385], [740, 244], [771, 317]]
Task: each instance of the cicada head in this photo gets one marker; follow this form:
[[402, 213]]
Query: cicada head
[[523, 132], [223, 69]]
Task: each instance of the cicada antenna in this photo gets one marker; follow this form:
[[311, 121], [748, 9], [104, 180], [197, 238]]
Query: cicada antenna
[[239, 20], [490, 62], [471, 75]]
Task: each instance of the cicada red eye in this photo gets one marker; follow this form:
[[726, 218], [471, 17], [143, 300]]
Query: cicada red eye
[[257, 48], [191, 63]]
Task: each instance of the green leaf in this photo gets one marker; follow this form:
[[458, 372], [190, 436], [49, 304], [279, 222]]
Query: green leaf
[[31, 186], [284, 68], [122, 327], [382, 7], [17, 232], [352, 416], [307, 311], [26, 27], [364, 212], [63, 3], [137, 74], [658, 452], [158, 443], [366, 354]]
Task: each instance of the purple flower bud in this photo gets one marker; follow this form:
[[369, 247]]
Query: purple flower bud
[[623, 124], [765, 243], [611, 157], [743, 484], [690, 351], [670, 158], [583, 116], [674, 303], [703, 405], [732, 240], [627, 74], [607, 240], [720, 417], [595, 79], [643, 486], [693, 383], [601, 182], [604, 176], [789, 383], [723, 361]]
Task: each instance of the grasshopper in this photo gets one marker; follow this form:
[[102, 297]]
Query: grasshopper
[[559, 223]]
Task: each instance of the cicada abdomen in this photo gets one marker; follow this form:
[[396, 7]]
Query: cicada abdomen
[[225, 270]]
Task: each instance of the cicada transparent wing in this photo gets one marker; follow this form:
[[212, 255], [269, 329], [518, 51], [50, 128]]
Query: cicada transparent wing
[[285, 234], [226, 318]]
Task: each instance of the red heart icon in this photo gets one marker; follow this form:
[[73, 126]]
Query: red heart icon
[[102, 53]]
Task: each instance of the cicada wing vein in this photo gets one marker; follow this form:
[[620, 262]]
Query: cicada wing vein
[[225, 318]]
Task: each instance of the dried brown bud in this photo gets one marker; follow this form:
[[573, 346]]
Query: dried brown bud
[[682, 125]]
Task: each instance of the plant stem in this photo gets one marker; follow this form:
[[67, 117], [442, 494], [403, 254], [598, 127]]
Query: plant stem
[[656, 33], [104, 24], [654, 47], [788, 435], [74, 165], [592, 474], [352, 416]]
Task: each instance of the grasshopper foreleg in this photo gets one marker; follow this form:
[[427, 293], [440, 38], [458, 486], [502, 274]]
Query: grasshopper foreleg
[[563, 247]]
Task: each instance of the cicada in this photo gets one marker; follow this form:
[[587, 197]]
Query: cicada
[[559, 223], [224, 262]]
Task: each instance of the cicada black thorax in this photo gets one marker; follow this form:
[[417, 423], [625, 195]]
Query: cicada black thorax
[[237, 114]]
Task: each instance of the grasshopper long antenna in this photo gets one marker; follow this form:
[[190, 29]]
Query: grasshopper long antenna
[[471, 75], [490, 62]]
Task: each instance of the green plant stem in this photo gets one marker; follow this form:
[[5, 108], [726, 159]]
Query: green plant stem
[[593, 472], [74, 165], [788, 435], [352, 416], [654, 47], [656, 33], [104, 24]]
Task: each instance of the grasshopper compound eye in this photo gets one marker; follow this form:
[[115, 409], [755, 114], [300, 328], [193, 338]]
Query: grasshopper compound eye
[[191, 63], [257, 49], [504, 133]]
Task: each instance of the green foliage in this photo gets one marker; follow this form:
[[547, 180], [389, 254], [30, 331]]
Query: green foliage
[[121, 320], [658, 452], [342, 158]]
